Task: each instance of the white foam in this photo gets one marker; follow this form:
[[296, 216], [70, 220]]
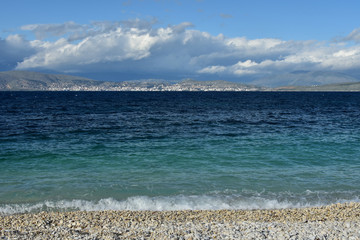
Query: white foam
[[179, 202]]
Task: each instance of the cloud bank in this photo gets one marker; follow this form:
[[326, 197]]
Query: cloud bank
[[14, 49], [138, 47]]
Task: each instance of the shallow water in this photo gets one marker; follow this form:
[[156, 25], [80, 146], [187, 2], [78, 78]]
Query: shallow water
[[177, 150]]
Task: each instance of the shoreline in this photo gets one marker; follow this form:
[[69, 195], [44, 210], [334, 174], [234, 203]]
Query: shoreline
[[325, 222]]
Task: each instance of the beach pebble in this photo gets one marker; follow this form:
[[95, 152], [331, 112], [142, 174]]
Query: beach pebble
[[340, 221]]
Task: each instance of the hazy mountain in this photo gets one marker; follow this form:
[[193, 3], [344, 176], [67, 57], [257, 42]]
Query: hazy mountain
[[219, 84], [304, 78], [34, 81], [353, 86]]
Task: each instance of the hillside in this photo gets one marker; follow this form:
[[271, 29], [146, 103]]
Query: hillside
[[33, 81], [346, 87], [304, 78]]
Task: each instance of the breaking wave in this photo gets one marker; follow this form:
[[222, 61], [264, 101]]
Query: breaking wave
[[163, 203]]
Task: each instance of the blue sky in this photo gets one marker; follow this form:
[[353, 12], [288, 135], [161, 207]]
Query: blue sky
[[174, 39], [287, 20]]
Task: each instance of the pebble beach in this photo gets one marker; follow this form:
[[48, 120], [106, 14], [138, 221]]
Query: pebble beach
[[338, 221]]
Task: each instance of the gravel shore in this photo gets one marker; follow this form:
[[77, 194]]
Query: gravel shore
[[338, 221]]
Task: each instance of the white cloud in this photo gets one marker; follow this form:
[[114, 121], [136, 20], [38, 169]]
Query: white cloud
[[343, 59], [14, 49], [247, 64], [136, 46], [42, 31], [124, 45], [115, 45], [311, 56], [243, 43], [213, 69], [181, 27], [353, 36]]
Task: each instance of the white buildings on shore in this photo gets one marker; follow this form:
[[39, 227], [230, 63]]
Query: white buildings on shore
[[130, 86]]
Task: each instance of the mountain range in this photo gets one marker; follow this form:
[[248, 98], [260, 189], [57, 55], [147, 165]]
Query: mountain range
[[304, 78], [299, 81], [35, 81]]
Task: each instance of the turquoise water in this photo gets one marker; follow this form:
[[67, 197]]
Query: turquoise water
[[164, 151]]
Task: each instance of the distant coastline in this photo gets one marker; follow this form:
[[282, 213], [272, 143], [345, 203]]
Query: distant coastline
[[35, 81]]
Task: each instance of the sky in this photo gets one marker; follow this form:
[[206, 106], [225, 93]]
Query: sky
[[175, 39]]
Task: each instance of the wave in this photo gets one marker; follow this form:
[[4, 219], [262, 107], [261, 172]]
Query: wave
[[179, 202]]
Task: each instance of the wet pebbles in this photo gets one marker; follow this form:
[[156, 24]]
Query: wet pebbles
[[338, 221]]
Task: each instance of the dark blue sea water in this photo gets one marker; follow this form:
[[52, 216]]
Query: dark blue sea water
[[177, 150]]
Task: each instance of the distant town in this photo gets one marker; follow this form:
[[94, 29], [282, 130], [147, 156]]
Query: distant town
[[35, 81], [138, 86]]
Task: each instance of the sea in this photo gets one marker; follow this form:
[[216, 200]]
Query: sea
[[66, 151]]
